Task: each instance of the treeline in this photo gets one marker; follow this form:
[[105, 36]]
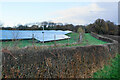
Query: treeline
[[70, 27], [99, 26], [103, 27]]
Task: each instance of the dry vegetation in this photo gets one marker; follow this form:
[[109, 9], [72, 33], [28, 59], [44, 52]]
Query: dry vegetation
[[54, 62]]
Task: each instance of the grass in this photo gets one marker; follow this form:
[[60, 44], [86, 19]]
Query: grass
[[87, 40], [109, 71]]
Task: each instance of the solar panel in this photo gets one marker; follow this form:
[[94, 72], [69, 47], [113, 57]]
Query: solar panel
[[38, 35]]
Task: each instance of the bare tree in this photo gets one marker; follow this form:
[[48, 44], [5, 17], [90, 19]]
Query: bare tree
[[81, 34]]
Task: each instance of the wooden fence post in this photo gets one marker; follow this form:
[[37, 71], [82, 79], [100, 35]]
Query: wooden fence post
[[54, 40]]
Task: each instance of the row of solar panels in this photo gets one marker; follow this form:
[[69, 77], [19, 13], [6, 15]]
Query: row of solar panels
[[38, 35]]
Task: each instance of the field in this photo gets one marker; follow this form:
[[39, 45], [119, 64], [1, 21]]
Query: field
[[87, 40], [111, 70]]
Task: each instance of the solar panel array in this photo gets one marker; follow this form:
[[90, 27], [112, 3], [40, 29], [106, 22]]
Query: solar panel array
[[48, 35]]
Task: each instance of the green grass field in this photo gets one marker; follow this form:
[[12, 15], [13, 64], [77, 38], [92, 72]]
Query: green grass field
[[109, 71], [87, 40]]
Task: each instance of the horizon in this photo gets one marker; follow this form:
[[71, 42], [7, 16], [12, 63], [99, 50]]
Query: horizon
[[76, 13]]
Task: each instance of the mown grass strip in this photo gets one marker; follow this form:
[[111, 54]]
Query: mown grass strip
[[109, 71]]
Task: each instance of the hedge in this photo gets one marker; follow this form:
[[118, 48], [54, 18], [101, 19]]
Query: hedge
[[67, 62]]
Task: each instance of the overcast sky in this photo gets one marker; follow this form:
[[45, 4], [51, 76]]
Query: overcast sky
[[13, 13]]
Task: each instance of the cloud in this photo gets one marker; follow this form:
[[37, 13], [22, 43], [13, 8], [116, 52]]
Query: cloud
[[79, 14]]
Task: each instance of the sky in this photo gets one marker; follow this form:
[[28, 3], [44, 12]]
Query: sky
[[75, 12]]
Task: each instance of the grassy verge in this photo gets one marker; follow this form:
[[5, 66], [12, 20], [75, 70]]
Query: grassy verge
[[88, 40], [109, 71]]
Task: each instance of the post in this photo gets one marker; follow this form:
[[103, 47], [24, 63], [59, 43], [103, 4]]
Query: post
[[54, 39], [43, 37], [33, 39], [43, 34]]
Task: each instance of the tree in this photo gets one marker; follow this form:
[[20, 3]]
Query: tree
[[81, 34], [45, 23], [112, 28], [102, 27], [34, 27], [78, 26]]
